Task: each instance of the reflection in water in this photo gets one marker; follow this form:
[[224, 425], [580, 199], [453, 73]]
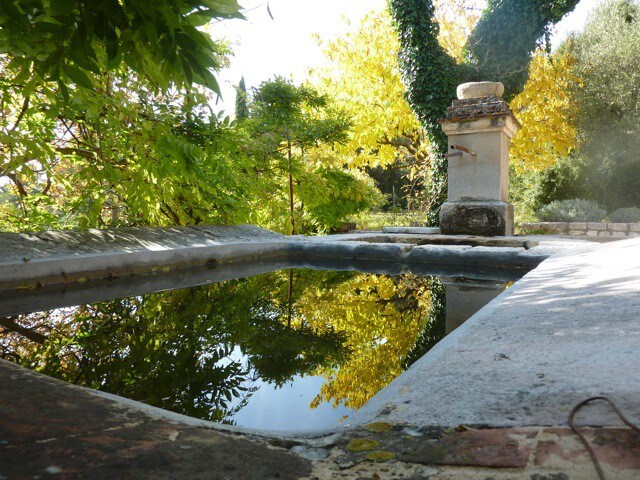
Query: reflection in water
[[466, 297], [204, 351]]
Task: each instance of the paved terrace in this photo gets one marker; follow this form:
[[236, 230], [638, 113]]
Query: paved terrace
[[490, 401]]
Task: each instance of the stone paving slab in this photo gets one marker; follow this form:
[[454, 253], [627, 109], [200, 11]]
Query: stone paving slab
[[51, 429]]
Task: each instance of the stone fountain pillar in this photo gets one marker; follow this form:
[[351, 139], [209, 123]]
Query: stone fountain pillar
[[479, 126]]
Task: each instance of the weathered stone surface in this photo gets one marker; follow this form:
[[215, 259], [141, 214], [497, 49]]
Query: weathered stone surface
[[566, 331], [554, 227], [64, 256], [50, 426], [412, 230], [480, 448], [596, 226], [123, 265], [634, 227], [604, 233], [479, 89], [618, 227], [577, 225], [476, 218], [530, 227], [614, 447], [480, 126]]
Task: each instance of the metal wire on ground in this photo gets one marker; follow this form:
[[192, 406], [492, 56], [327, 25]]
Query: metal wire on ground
[[583, 438]]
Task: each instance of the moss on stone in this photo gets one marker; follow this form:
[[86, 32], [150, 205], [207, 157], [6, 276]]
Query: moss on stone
[[380, 456], [378, 427], [362, 444]]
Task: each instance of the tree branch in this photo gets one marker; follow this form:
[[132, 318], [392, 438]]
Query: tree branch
[[9, 324], [76, 151], [25, 106]]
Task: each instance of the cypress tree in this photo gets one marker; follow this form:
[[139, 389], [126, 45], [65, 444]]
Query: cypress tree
[[242, 107]]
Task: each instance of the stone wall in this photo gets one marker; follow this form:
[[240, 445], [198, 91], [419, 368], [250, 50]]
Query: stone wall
[[583, 229]]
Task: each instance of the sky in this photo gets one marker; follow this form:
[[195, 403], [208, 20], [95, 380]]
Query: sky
[[285, 45], [265, 47]]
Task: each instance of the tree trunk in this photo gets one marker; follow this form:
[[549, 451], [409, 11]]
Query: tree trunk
[[291, 207]]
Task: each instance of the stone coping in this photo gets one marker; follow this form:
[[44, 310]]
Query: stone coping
[[32, 260], [566, 331]]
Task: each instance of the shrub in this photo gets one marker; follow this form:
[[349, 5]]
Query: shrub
[[329, 195], [575, 210], [626, 215]]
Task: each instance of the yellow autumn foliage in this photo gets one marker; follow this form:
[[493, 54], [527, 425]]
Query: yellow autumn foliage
[[546, 108], [456, 18], [362, 75], [381, 317]]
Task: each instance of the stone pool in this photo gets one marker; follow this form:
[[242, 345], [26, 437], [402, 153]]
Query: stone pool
[[295, 348]]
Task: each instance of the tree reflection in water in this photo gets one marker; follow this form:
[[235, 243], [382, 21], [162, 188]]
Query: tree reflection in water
[[197, 351]]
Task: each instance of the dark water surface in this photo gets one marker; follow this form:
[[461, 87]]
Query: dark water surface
[[290, 349]]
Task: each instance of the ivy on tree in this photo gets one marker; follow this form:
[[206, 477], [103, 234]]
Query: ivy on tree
[[498, 49]]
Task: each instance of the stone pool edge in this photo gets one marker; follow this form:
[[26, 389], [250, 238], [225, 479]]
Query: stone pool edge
[[33, 260], [146, 441]]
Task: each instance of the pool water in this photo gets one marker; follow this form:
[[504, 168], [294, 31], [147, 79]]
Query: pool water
[[286, 350]]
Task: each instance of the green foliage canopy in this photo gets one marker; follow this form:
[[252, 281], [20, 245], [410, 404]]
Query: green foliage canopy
[[287, 123], [65, 40]]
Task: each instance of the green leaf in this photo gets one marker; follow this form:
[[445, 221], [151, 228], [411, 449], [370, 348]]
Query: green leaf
[[111, 40], [23, 75], [77, 76], [208, 80], [64, 91], [62, 7]]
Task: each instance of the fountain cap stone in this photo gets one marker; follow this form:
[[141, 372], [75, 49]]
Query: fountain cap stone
[[480, 89]]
